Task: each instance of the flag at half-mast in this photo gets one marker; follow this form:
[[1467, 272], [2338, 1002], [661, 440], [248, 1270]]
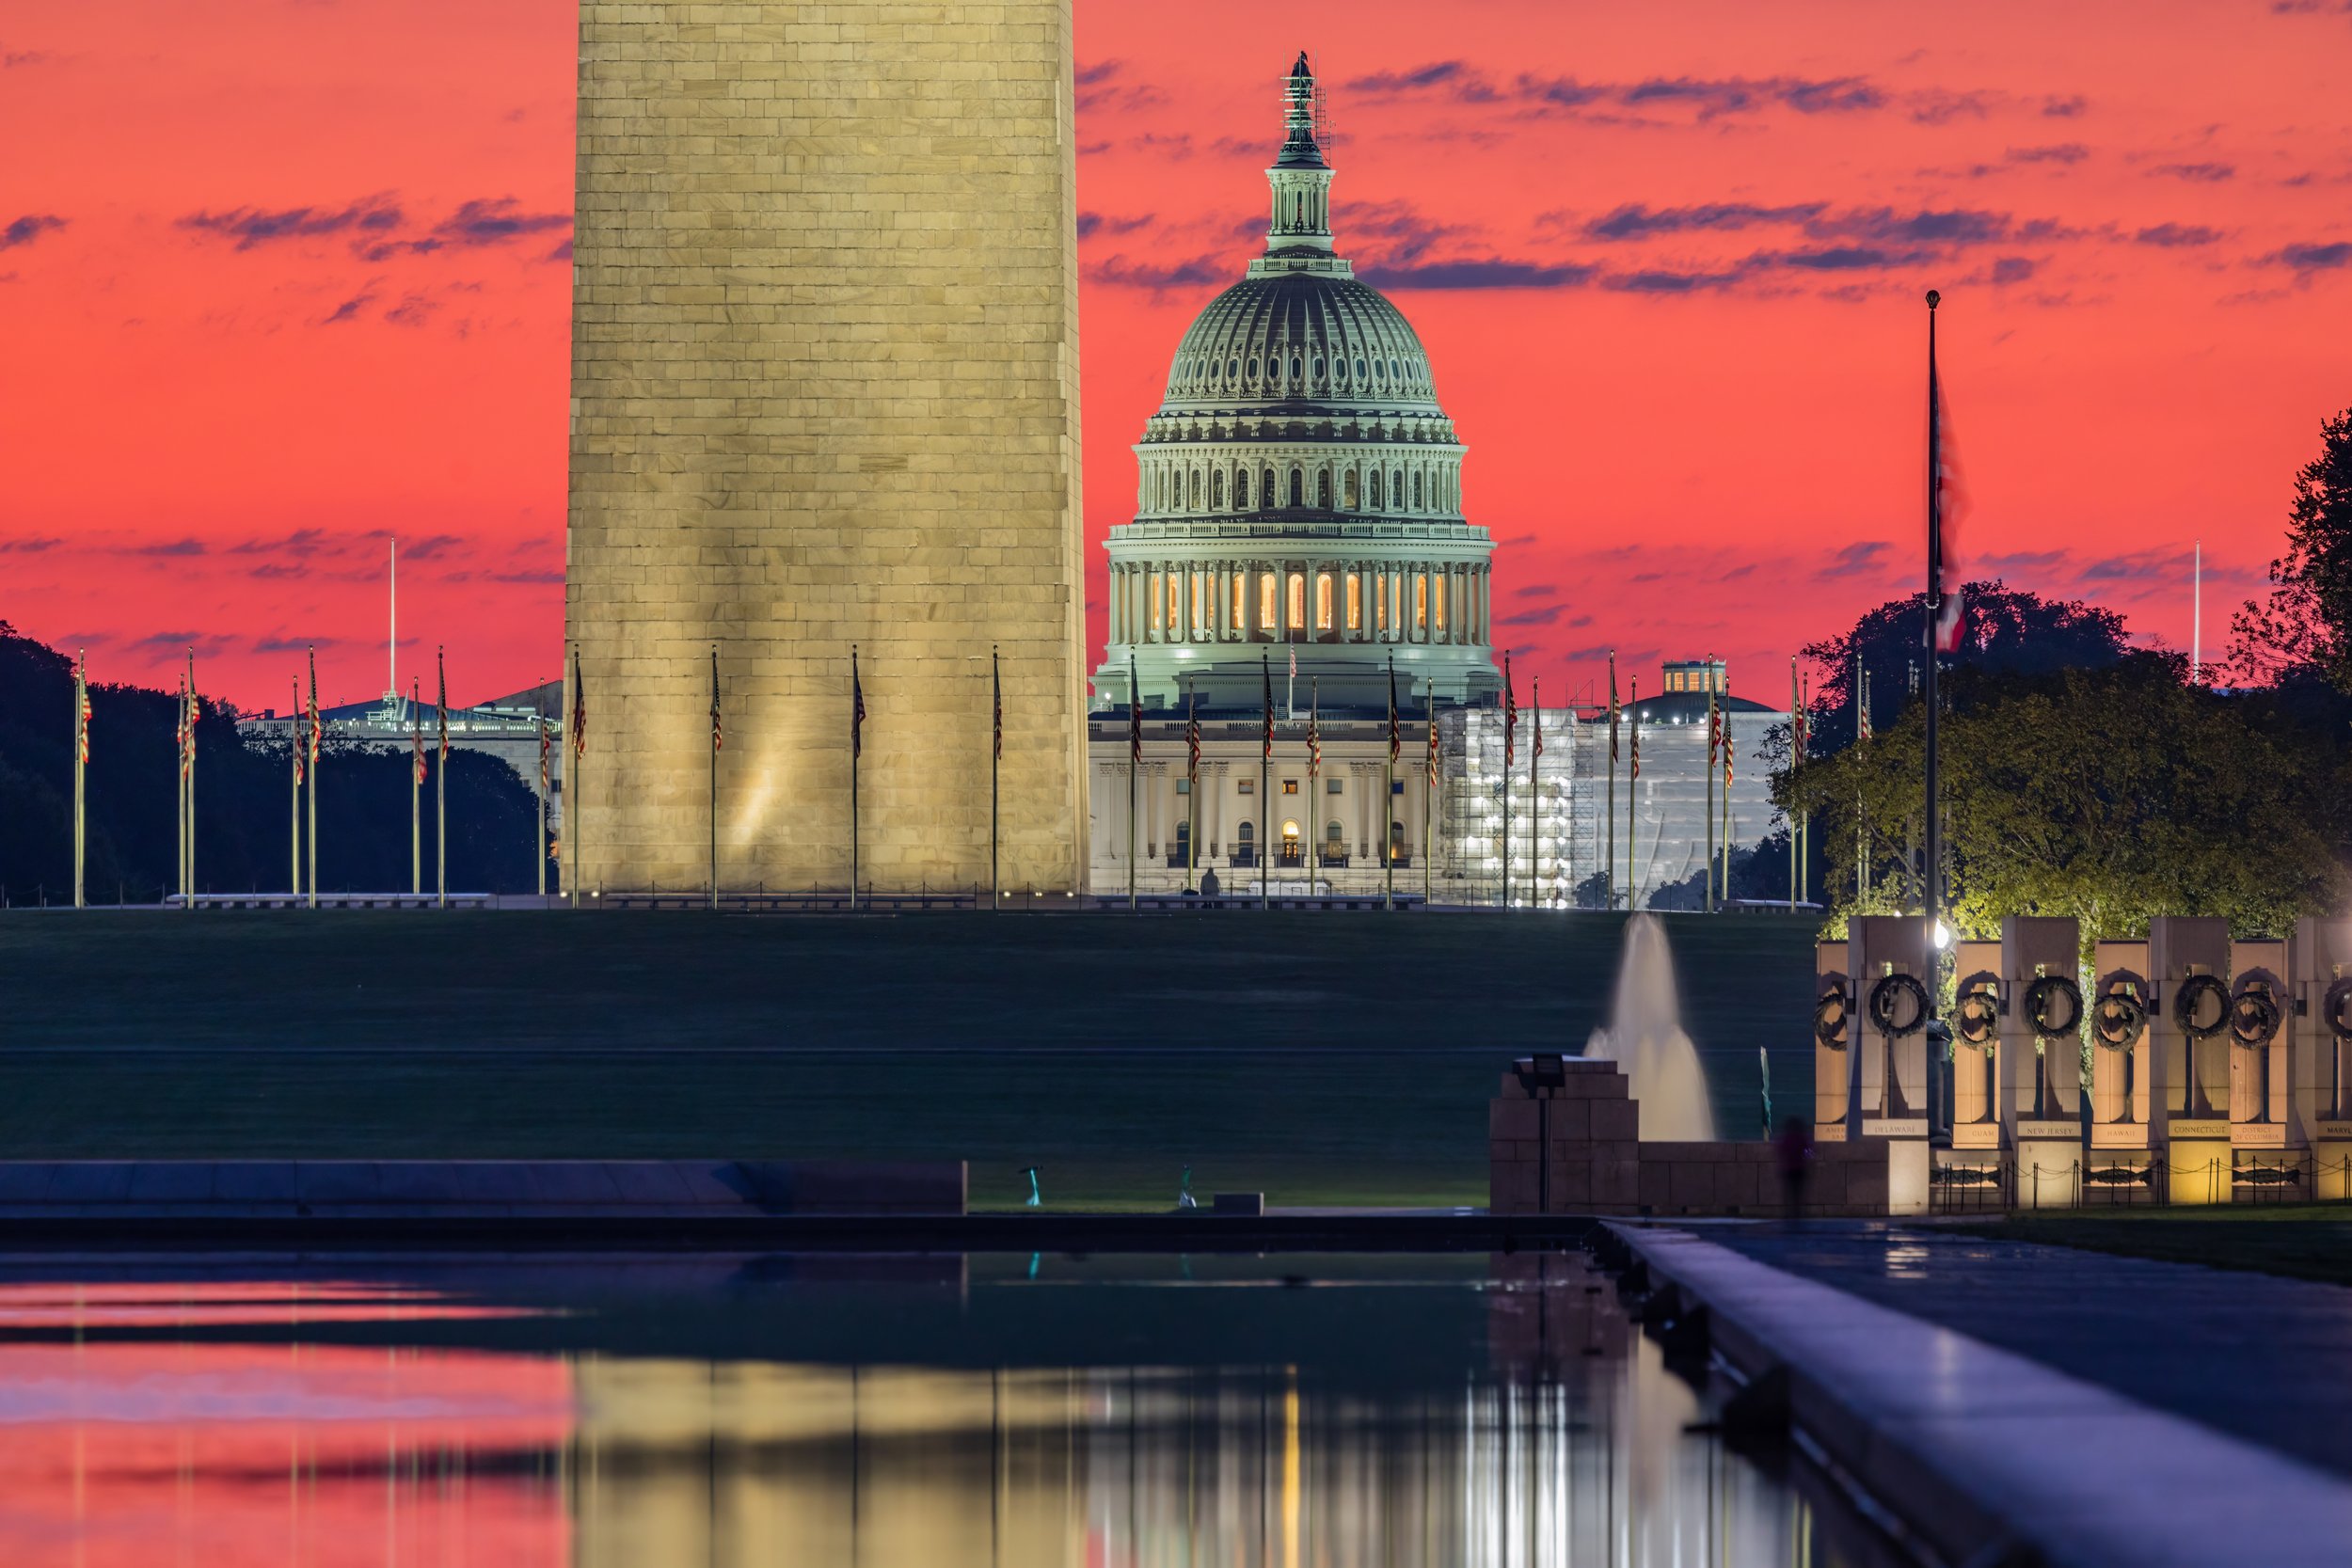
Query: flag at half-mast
[[718, 740], [857, 709], [1510, 716], [1949, 508], [1612, 710], [81, 715], [580, 710], [314, 710], [1267, 671], [1192, 735], [1135, 715], [416, 734], [1633, 719], [296, 711], [1396, 737]]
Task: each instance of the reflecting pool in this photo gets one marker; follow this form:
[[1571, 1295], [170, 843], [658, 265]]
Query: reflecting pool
[[894, 1412]]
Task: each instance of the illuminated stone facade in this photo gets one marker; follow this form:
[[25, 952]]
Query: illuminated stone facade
[[824, 393]]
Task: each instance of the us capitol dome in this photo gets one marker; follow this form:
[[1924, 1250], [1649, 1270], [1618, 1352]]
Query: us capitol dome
[[1299, 491]]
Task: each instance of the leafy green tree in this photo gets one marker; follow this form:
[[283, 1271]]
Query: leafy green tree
[[2109, 793], [2305, 623]]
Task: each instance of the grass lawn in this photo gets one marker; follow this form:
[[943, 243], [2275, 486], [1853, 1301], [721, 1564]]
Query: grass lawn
[[2304, 1241], [1322, 1058]]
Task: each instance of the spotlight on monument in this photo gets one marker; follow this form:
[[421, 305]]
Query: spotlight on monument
[[1541, 1071]]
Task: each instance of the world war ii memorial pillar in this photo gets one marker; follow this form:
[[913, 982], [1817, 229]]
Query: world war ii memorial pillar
[[2042, 1058], [2320, 1104], [825, 396], [1976, 1047], [2188, 1087], [1886, 1063], [1834, 1036], [2266, 1149]]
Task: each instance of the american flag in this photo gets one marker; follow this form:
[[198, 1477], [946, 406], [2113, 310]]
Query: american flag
[[314, 707], [1799, 727], [1633, 701], [1612, 710], [718, 740], [1510, 716], [81, 724], [1266, 670], [996, 693], [580, 709], [180, 735], [1396, 737], [1315, 729], [441, 709], [1134, 714], [416, 733], [194, 711], [546, 743], [1951, 501], [1536, 706], [1192, 735], [857, 709], [297, 732], [1432, 710]]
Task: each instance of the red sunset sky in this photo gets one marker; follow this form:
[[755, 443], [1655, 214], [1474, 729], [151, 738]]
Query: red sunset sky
[[277, 277]]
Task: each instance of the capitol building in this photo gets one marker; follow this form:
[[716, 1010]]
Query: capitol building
[[1299, 528]]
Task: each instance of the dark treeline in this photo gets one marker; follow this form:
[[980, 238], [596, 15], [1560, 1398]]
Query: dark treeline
[[242, 800]]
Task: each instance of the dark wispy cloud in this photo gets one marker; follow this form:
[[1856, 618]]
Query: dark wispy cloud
[[1490, 272], [1091, 223], [2136, 566], [1638, 222], [2313, 257], [254, 226], [207, 644], [2060, 153], [26, 229], [1105, 84], [172, 548], [1534, 591], [30, 544], [302, 542], [2173, 235], [277, 571], [1706, 98], [278, 643], [433, 547], [475, 224], [19, 59], [2069, 106], [2201, 173], [349, 309], [1119, 272], [414, 310], [1540, 615], [1860, 559], [543, 576]]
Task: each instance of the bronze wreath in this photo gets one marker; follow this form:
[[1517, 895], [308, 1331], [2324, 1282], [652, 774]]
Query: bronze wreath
[[2254, 1015], [2339, 1004], [1976, 1019], [2038, 997], [2192, 993], [2117, 1019], [1883, 1003], [1829, 1017]]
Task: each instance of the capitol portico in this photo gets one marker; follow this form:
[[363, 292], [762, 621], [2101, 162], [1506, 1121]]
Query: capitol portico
[[1299, 491]]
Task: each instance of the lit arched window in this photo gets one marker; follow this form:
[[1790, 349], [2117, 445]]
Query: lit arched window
[[1355, 602], [1323, 488], [1241, 601], [1351, 500], [1216, 490], [1420, 601], [1269, 601], [1297, 601], [1152, 596], [1298, 488], [1175, 602], [1323, 601], [1444, 587], [1290, 840], [1334, 840]]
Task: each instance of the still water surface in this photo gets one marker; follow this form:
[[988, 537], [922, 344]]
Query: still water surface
[[915, 1412]]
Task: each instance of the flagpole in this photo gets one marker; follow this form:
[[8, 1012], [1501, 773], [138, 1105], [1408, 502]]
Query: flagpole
[[857, 748], [539, 829], [310, 796], [1510, 717], [714, 775], [576, 779], [180, 796], [1935, 878], [416, 789], [1609, 817], [1388, 801], [195, 707], [995, 761], [1134, 759], [1796, 760], [1723, 838], [1714, 737], [1265, 771], [1535, 793], [1314, 782], [440, 791], [1632, 793], [1192, 781], [567, 794], [295, 808], [1429, 803], [81, 763], [1861, 826]]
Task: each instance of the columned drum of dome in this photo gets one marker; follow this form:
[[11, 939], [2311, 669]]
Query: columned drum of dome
[[1300, 489]]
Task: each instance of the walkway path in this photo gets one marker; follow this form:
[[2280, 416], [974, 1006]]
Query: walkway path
[[2262, 1359]]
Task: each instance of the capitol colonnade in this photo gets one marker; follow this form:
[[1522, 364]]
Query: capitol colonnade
[[1355, 599]]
